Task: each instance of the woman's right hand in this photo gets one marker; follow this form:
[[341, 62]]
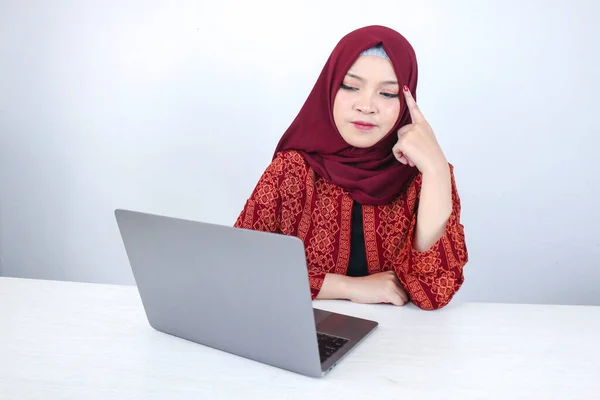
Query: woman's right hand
[[383, 287]]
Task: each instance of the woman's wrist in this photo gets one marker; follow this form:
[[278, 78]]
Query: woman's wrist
[[438, 170]]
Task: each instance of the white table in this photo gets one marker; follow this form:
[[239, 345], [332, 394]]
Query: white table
[[64, 340]]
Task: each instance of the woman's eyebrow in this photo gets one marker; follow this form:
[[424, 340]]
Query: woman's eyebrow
[[390, 82]]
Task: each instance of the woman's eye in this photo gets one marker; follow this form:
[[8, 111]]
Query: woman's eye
[[384, 94], [346, 87]]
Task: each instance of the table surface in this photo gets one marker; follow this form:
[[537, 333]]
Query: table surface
[[68, 340]]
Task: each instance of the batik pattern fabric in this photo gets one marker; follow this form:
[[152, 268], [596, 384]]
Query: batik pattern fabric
[[291, 199]]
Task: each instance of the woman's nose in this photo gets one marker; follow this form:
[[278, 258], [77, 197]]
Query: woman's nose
[[365, 104]]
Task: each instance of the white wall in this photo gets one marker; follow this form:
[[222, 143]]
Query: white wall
[[176, 107]]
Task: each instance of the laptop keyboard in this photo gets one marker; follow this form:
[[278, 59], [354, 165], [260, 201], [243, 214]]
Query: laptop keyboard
[[329, 344]]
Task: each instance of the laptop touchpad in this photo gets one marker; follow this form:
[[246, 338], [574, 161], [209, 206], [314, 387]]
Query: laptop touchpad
[[320, 315]]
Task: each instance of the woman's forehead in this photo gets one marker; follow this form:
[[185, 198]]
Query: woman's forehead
[[368, 67]]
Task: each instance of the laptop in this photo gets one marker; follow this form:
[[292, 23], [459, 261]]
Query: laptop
[[237, 290]]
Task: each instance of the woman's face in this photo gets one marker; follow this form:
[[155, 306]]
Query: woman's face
[[367, 104]]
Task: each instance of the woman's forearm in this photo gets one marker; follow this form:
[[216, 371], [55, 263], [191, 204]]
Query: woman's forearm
[[435, 207], [334, 287]]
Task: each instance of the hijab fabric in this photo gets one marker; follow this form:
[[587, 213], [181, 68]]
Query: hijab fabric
[[371, 175]]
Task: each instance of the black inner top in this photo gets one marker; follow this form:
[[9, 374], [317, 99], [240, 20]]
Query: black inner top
[[358, 255]]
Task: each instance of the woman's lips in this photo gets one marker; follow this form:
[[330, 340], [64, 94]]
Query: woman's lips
[[363, 126]]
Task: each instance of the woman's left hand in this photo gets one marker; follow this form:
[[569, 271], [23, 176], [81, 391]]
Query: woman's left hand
[[417, 144]]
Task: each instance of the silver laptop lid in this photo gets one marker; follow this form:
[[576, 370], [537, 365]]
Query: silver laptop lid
[[237, 290]]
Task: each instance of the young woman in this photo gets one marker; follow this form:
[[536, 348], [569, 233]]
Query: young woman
[[360, 178]]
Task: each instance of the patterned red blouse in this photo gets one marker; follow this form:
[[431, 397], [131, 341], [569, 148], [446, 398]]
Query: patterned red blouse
[[291, 199]]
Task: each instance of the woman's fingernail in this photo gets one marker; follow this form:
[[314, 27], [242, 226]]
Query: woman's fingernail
[[405, 88]]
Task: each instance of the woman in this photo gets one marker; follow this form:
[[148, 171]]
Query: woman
[[360, 178]]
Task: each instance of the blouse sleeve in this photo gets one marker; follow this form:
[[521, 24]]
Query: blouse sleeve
[[263, 207], [266, 211], [433, 277]]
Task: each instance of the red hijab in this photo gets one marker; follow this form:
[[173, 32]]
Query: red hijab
[[371, 175]]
